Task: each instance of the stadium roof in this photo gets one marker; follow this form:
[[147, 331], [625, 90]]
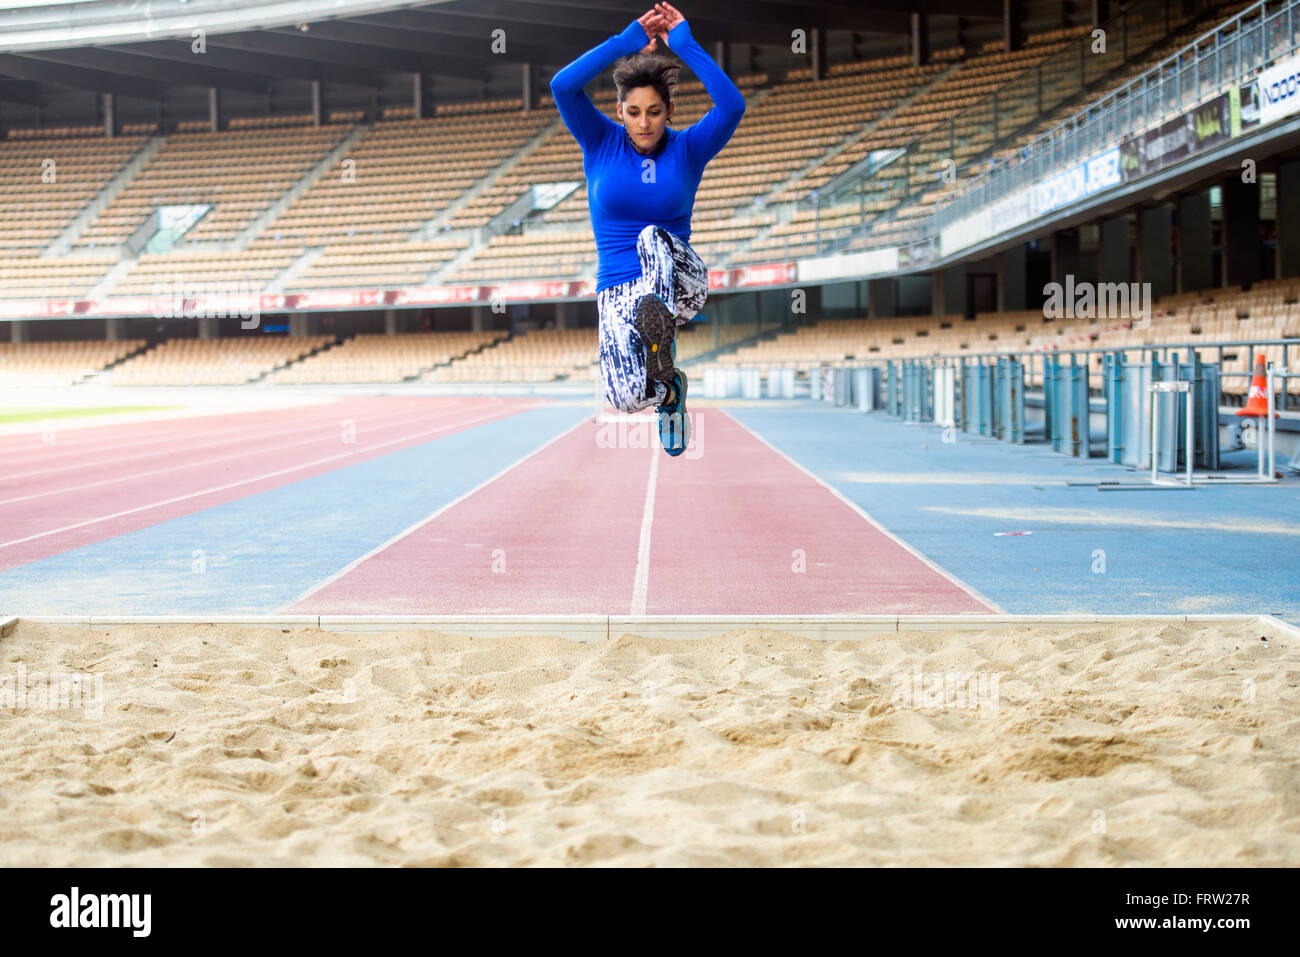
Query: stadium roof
[[142, 49]]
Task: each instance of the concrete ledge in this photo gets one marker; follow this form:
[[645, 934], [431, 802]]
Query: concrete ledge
[[115, 621], [595, 628], [574, 627]]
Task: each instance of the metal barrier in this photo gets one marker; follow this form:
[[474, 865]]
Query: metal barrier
[[985, 394], [1009, 410], [945, 396], [893, 389], [735, 382], [1069, 422], [1128, 398], [780, 383], [864, 389], [977, 394], [1170, 390], [917, 392]]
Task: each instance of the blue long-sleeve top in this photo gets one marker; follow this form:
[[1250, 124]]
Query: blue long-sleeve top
[[622, 193]]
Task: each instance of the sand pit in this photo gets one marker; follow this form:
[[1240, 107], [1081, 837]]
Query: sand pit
[[1109, 744]]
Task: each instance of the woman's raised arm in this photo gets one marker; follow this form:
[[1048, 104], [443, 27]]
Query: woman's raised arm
[[587, 124], [705, 139]]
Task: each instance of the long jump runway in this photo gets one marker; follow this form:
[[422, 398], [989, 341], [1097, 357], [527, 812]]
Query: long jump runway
[[465, 505]]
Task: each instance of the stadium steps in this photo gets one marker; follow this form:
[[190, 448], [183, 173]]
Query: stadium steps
[[62, 243], [454, 359], [111, 278], [284, 365], [433, 228], [449, 268], [86, 377], [765, 336], [819, 161], [760, 202], [294, 270], [269, 215]]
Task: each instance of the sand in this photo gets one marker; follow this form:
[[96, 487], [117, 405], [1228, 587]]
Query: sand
[[1113, 744]]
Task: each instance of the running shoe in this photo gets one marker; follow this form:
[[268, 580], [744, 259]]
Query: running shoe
[[674, 422]]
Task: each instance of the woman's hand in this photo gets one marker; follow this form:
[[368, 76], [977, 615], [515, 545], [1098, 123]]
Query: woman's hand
[[671, 16], [654, 25]]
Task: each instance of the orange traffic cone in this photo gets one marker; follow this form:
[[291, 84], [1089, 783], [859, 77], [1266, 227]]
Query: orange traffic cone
[[1257, 401]]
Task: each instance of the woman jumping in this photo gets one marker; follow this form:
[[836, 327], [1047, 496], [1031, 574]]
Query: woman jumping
[[641, 183]]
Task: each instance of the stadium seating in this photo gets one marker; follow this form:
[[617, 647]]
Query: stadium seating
[[61, 363], [383, 358], [29, 277], [697, 340], [405, 174], [230, 361], [407, 203], [240, 171], [538, 356], [378, 218], [393, 263], [45, 182], [950, 86], [167, 273]]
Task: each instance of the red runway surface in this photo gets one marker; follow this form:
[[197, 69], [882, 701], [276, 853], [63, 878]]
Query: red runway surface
[[562, 533], [92, 484]]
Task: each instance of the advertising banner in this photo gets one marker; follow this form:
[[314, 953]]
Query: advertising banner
[[186, 303], [1279, 90], [1186, 135]]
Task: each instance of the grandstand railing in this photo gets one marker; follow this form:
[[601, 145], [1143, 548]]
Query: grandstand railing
[[1069, 73]]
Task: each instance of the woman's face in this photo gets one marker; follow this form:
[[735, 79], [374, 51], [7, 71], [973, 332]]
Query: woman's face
[[644, 116]]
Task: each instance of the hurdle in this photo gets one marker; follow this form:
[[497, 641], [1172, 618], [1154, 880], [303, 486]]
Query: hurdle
[[1265, 458], [1266, 470]]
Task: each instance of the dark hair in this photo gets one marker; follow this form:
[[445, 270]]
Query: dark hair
[[646, 69]]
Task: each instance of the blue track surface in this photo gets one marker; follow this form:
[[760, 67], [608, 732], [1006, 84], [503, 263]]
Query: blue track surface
[[262, 551], [1212, 550], [1227, 549]]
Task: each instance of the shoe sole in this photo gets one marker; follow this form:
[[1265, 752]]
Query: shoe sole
[[657, 328]]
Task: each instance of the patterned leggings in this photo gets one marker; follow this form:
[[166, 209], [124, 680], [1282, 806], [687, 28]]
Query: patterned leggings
[[673, 271]]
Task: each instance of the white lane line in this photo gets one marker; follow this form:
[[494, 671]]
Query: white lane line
[[248, 481], [642, 585], [853, 505], [428, 518], [82, 456], [326, 434]]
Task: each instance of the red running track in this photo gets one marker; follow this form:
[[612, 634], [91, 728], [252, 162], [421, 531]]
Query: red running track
[[94, 484], [560, 533]]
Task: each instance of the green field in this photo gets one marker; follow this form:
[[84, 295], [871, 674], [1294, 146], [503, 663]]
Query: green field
[[27, 415]]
